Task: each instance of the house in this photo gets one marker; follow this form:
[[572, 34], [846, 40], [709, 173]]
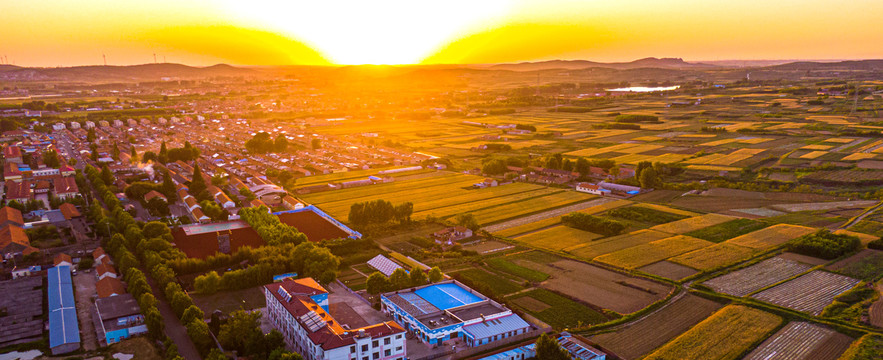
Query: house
[[62, 259], [590, 188], [199, 216], [153, 194], [109, 286], [626, 172], [18, 191], [12, 154], [224, 200], [452, 234], [291, 203], [69, 211], [65, 187], [64, 331], [26, 271], [298, 308], [104, 270], [120, 318], [191, 204], [619, 189], [12, 173], [488, 182], [258, 203], [99, 256], [14, 241], [10, 216]]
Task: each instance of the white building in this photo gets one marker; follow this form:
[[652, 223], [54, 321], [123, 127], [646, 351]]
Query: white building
[[75, 125], [58, 126], [91, 125], [299, 310]]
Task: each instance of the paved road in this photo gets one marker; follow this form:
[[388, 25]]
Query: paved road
[[174, 329], [548, 214]]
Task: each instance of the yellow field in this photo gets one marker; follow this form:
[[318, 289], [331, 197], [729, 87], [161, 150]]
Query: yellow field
[[636, 158], [714, 256], [667, 209], [558, 238], [521, 229], [623, 148], [859, 156], [755, 140], [817, 147], [830, 119], [772, 236], [693, 223], [725, 159], [741, 125], [868, 146], [840, 140], [605, 246], [699, 136], [784, 126], [668, 125], [865, 238], [646, 254], [726, 335], [713, 168], [813, 154]]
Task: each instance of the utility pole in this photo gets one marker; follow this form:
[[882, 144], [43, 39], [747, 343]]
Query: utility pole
[[154, 58], [103, 56], [538, 85]]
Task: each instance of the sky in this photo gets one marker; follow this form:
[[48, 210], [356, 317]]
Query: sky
[[300, 32]]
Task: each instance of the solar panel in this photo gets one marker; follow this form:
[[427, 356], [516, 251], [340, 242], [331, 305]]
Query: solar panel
[[384, 265], [284, 294]]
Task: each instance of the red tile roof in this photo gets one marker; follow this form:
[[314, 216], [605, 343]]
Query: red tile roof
[[109, 286], [12, 215], [13, 239], [103, 268], [65, 185], [152, 194], [62, 257], [203, 244], [313, 225], [69, 211]]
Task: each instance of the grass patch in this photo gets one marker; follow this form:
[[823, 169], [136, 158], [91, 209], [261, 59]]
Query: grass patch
[[227, 301], [563, 312], [645, 215], [727, 230], [483, 281], [868, 347], [506, 266]]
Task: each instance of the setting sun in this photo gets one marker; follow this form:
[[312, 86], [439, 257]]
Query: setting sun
[[366, 32]]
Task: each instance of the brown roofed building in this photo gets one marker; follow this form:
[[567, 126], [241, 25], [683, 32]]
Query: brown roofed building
[[18, 191], [109, 286], [104, 270], [99, 256], [65, 187], [10, 216], [14, 240], [201, 241], [62, 259], [12, 154], [154, 194], [69, 211]]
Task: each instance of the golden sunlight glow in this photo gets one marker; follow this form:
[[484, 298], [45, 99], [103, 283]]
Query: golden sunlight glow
[[372, 32]]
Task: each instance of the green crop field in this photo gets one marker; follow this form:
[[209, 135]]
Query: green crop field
[[561, 312], [496, 284], [726, 335], [727, 230], [503, 264]]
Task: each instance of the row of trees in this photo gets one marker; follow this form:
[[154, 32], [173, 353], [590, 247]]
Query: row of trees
[[400, 279], [595, 224], [270, 228], [379, 212]]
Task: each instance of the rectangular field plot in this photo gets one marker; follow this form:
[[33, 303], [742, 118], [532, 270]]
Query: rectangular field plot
[[809, 293], [715, 256], [723, 336], [802, 341], [645, 254], [654, 330], [668, 270], [597, 248], [692, 224], [772, 236], [558, 238], [557, 310], [755, 277]]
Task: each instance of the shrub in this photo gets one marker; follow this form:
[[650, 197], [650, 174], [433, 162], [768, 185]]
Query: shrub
[[876, 244], [643, 214], [824, 244], [593, 224]]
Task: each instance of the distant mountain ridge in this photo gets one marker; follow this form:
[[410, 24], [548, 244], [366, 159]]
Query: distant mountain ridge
[[650, 62], [121, 73]]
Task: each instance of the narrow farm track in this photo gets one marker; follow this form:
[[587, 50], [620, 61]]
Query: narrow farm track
[[875, 313], [861, 216], [547, 214]]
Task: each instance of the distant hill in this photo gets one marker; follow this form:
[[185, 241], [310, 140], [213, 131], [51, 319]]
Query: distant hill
[[145, 72], [651, 62], [853, 65]]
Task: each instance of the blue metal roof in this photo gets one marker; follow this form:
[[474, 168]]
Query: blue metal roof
[[500, 325], [63, 326]]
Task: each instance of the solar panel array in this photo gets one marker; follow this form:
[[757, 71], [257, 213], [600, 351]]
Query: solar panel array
[[420, 303], [284, 294], [312, 321], [384, 265]]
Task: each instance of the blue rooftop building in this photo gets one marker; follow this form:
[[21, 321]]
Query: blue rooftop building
[[64, 331]]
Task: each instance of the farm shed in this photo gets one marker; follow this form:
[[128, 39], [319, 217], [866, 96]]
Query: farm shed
[[64, 331]]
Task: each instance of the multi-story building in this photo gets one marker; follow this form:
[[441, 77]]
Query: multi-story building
[[449, 310], [298, 308]]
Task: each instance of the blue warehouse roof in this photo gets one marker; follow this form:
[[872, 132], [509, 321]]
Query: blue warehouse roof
[[63, 326]]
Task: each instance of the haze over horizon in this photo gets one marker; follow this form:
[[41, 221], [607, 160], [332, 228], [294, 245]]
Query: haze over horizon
[[270, 32]]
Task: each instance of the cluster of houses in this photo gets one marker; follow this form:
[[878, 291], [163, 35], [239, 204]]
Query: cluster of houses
[[24, 183]]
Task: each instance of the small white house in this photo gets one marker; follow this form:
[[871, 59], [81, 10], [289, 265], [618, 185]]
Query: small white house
[[591, 189]]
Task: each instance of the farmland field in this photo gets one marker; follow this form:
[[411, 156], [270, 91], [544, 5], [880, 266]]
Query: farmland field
[[645, 254], [648, 333], [723, 336], [561, 312], [802, 341], [772, 236], [668, 270], [608, 290], [497, 284], [865, 265], [714, 256], [809, 293], [548, 218], [557, 238], [692, 224], [755, 277], [608, 245], [503, 264], [727, 230]]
